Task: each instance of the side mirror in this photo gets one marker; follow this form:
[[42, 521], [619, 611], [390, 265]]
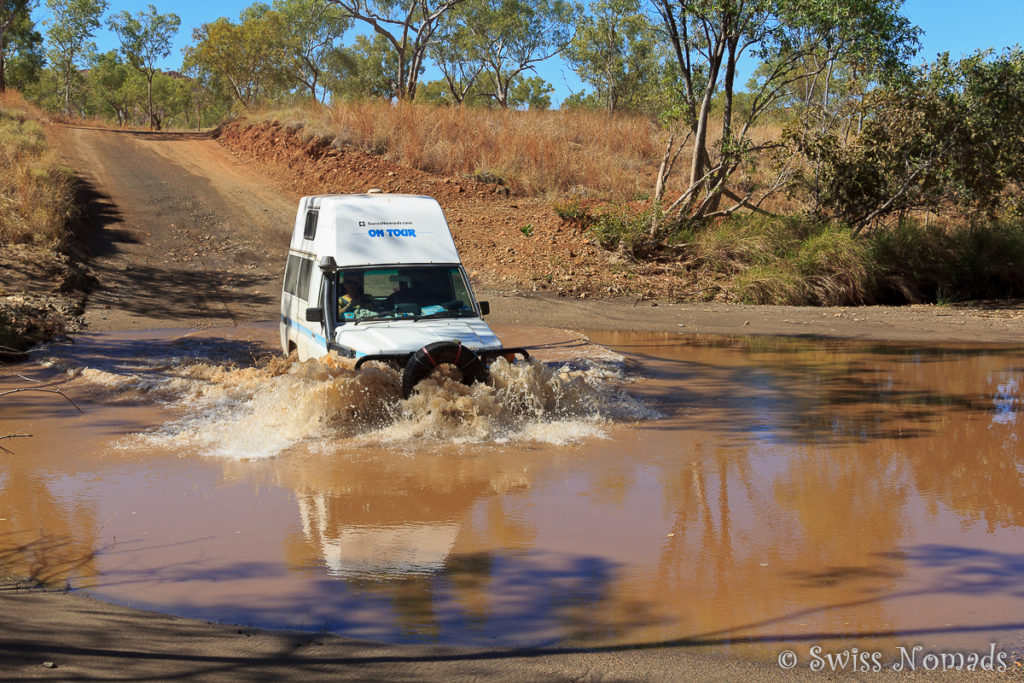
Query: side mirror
[[314, 315], [485, 308]]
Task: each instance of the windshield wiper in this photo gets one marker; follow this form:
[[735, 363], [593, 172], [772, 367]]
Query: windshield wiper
[[446, 314]]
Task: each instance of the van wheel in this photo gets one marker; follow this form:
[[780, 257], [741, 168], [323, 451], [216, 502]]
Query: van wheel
[[422, 363], [292, 348]]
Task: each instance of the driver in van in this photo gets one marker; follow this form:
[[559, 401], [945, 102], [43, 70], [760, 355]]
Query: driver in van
[[354, 297]]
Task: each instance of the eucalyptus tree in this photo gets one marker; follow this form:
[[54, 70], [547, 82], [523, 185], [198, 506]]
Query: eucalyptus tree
[[145, 39], [71, 26], [617, 51], [709, 38], [18, 37], [508, 38], [208, 97], [407, 29], [248, 57], [950, 136], [455, 54], [312, 34], [369, 68], [107, 80]]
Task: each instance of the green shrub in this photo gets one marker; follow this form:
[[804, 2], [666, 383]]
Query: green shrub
[[624, 230], [614, 230], [569, 209], [987, 260]]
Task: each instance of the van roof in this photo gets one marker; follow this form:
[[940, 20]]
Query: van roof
[[378, 228]]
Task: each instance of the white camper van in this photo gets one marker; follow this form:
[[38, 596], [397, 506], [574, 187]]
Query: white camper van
[[377, 277]]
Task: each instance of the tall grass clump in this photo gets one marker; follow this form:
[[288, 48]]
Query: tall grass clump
[[797, 261], [36, 194], [735, 245], [834, 267], [919, 263], [791, 260], [912, 262], [989, 259], [534, 152]]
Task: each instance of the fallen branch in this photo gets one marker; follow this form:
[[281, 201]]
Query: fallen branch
[[59, 392], [12, 436]]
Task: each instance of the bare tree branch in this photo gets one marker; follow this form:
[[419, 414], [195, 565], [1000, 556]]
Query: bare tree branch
[[12, 436], [59, 392]]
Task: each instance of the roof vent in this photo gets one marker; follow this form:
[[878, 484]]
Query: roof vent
[[375, 190]]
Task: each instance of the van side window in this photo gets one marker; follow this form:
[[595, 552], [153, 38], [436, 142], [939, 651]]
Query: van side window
[[291, 273], [311, 218], [302, 286]]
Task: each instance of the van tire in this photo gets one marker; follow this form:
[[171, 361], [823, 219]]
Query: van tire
[[422, 363]]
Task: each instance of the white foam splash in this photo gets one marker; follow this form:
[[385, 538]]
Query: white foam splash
[[260, 412]]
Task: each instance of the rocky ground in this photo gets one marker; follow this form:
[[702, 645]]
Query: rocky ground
[[42, 296]]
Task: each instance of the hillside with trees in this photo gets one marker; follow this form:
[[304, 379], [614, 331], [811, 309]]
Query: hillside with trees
[[797, 151]]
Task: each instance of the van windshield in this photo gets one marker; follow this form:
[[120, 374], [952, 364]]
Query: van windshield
[[401, 293]]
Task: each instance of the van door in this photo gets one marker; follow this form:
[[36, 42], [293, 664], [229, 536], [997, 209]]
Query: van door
[[288, 331], [315, 335]]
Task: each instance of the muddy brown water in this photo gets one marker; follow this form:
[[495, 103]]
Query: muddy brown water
[[746, 493]]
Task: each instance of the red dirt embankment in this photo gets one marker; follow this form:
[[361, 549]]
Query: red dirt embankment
[[508, 243]]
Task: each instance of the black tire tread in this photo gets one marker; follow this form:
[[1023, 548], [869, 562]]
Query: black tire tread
[[423, 362]]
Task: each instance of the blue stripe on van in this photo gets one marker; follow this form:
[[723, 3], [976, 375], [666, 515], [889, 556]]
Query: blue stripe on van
[[305, 331]]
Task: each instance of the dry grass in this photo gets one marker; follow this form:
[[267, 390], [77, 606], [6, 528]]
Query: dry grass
[[536, 153], [36, 194], [545, 153]]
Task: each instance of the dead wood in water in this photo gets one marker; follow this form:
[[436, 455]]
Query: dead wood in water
[[43, 389]]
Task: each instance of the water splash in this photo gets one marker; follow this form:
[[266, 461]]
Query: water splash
[[262, 410]]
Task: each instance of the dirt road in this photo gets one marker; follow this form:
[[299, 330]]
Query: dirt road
[[182, 235]]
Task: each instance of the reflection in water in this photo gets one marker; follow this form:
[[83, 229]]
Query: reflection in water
[[791, 491], [43, 535]]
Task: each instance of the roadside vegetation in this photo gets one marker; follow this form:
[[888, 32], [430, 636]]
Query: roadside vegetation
[[37, 203], [534, 153], [36, 193], [804, 261], [845, 170]]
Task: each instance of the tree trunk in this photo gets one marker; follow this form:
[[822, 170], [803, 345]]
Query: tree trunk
[[700, 136], [730, 77], [3, 51], [67, 95], [149, 99]]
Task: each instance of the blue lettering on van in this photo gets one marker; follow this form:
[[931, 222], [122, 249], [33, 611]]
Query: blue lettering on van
[[392, 232]]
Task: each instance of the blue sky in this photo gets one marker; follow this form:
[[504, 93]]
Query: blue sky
[[954, 26]]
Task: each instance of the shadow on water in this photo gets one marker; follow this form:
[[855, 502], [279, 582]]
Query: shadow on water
[[962, 563], [160, 354], [795, 392], [552, 601], [46, 559]]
